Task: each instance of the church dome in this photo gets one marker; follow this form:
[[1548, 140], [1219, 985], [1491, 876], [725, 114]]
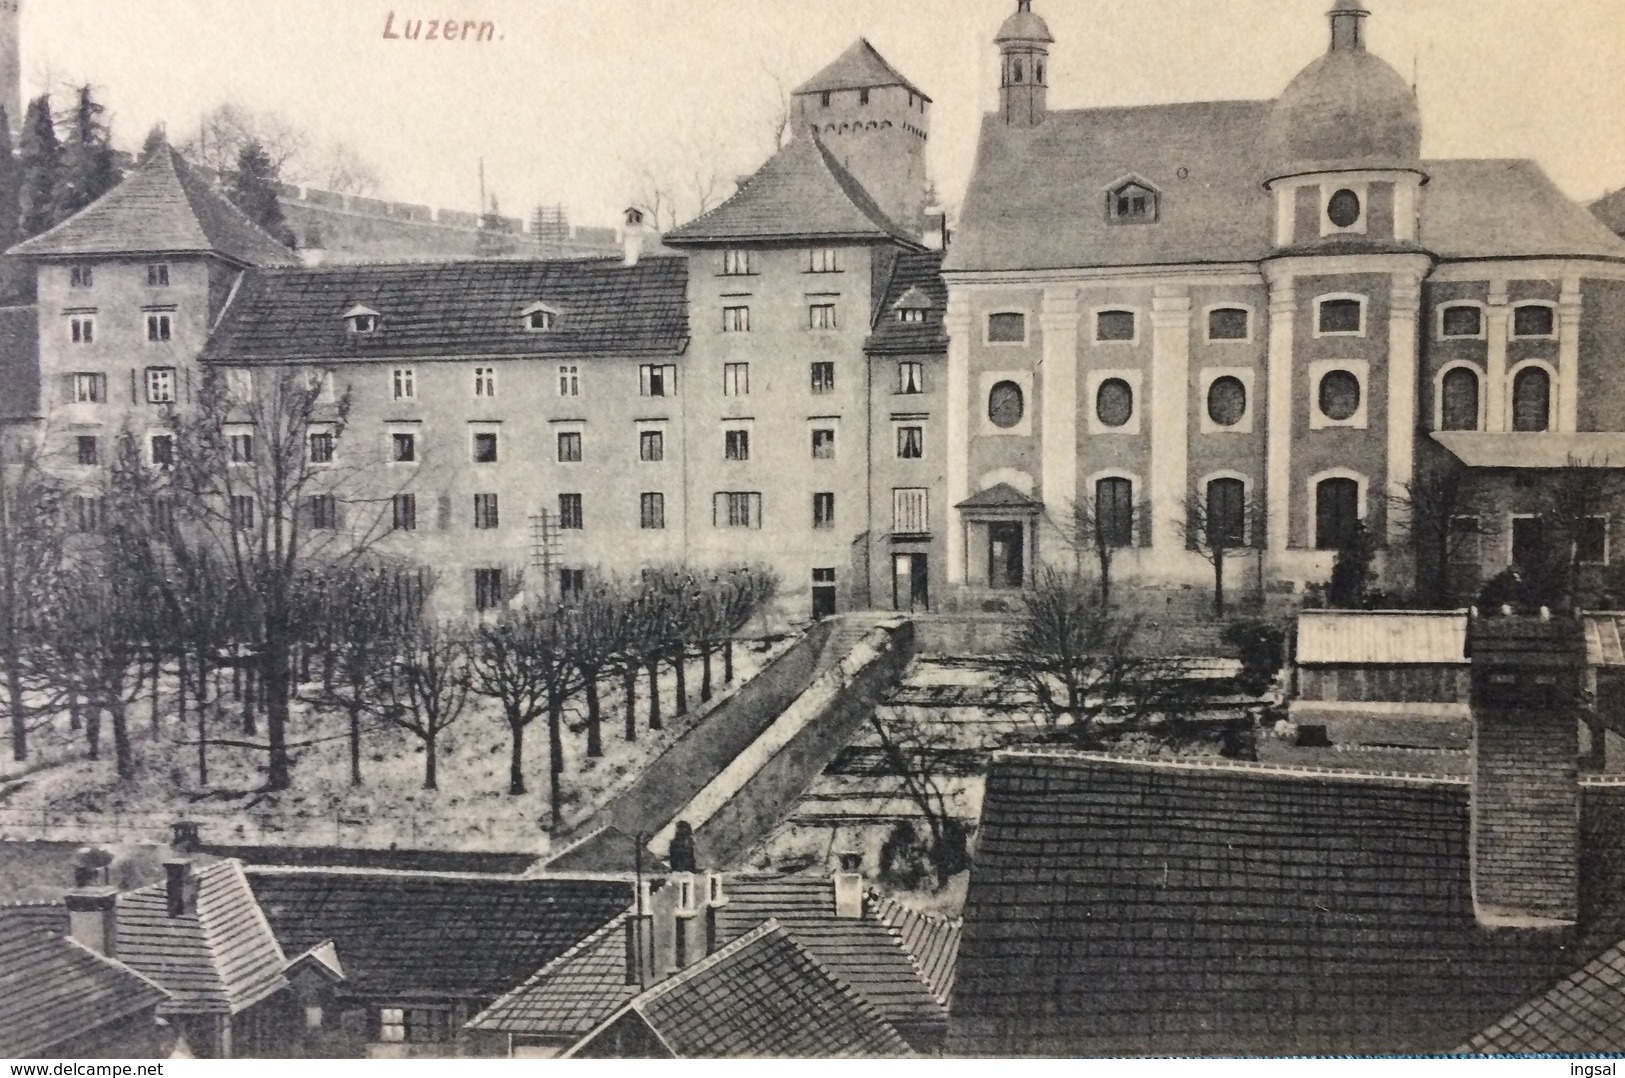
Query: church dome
[[1348, 109], [1024, 26]]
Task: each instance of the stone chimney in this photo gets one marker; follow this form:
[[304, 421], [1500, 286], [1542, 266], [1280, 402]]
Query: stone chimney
[[848, 881], [935, 232], [93, 915], [1528, 676], [687, 941], [180, 888], [716, 900], [640, 939], [633, 235]]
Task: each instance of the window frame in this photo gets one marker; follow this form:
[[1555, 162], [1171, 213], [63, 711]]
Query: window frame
[[403, 512], [736, 444], [490, 591], [94, 381], [485, 383], [1445, 307], [652, 437], [1023, 380], [902, 380], [153, 381], [1512, 321], [1512, 376], [825, 435], [487, 512], [1026, 327], [572, 511], [736, 318], [1361, 370], [823, 510], [323, 510], [824, 385], [910, 436], [735, 257], [1320, 301], [731, 379], [325, 457], [1116, 192], [160, 327], [902, 494], [1205, 380], [652, 511], [662, 374], [1094, 380], [1439, 395], [1207, 323], [1114, 308], [82, 275], [561, 454], [157, 274], [1362, 507], [1361, 189], [569, 383], [83, 442], [82, 329], [411, 441], [478, 441], [1249, 534], [822, 317], [403, 384], [1134, 523], [824, 260], [153, 438], [724, 504]]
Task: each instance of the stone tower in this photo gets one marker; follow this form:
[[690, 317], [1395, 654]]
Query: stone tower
[[1023, 42], [11, 68]]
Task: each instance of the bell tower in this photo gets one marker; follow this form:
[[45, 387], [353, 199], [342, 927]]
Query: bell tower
[[1023, 42]]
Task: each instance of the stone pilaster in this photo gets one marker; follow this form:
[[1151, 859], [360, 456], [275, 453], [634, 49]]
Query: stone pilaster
[[1278, 454], [1170, 418], [1568, 356], [1058, 390], [1497, 331], [1405, 304], [957, 322]]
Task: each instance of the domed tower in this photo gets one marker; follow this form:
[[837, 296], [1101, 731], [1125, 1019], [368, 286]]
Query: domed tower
[[1023, 42]]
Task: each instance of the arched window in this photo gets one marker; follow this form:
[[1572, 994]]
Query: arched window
[[1458, 406], [1017, 72], [1339, 396], [1006, 404], [1226, 514], [1337, 512], [1532, 400], [1114, 511], [1226, 401], [1114, 402]]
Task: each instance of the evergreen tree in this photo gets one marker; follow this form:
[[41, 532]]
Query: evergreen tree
[[89, 167], [11, 181], [41, 161], [157, 139], [253, 188]]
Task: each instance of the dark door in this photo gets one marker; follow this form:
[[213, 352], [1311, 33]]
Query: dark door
[[1528, 542], [1006, 554], [911, 589], [823, 593]]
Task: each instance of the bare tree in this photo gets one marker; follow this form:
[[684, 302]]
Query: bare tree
[[1580, 495], [294, 153], [598, 624], [508, 663], [1219, 532], [30, 553], [428, 688], [748, 592], [915, 750], [1091, 531], [1440, 517]]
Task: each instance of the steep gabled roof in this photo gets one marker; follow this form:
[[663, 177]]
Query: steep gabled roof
[[860, 67], [53, 991], [802, 192], [916, 281], [932, 941], [164, 207], [1583, 1013], [571, 995]]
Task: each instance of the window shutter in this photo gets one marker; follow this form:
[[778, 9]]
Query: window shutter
[[134, 399], [443, 512]]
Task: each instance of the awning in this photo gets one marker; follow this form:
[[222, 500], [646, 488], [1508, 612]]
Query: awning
[[1484, 449]]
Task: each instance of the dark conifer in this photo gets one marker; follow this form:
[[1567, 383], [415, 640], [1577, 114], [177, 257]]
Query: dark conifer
[[41, 163], [253, 188]]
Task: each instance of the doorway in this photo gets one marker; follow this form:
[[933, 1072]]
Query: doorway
[[823, 594], [910, 589], [1006, 554]]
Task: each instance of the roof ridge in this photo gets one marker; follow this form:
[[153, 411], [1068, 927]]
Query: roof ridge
[[710, 961], [550, 968], [188, 175], [857, 193], [863, 1002], [1220, 765]]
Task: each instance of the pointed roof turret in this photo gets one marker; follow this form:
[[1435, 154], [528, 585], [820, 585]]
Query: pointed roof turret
[[860, 67], [164, 207]]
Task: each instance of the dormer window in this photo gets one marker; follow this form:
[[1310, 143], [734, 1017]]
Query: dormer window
[[1131, 202], [359, 319], [539, 318], [913, 304]]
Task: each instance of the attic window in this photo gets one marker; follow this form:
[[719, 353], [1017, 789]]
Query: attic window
[[912, 305], [911, 314], [361, 319], [539, 317], [1131, 203]]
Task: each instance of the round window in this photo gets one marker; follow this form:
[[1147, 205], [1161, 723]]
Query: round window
[[1226, 401], [1344, 208], [1339, 396], [1005, 405], [1114, 402]]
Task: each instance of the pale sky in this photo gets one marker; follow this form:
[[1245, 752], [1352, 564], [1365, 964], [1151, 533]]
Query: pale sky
[[576, 92]]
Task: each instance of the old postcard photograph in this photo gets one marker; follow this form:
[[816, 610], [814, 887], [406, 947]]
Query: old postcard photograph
[[879, 529]]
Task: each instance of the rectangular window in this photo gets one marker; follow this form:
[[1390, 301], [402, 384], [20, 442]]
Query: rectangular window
[[242, 448], [485, 382], [657, 380], [88, 448], [406, 385], [321, 447], [160, 385], [652, 511], [324, 512], [404, 512], [81, 277], [910, 377], [1591, 542], [651, 445], [570, 447], [737, 509], [823, 444], [735, 262], [242, 511], [911, 513], [569, 380], [824, 509], [910, 443], [485, 447], [1009, 327], [87, 512], [486, 517], [161, 515], [82, 330], [735, 379], [1340, 316], [1532, 320], [487, 590], [162, 448], [158, 275], [736, 319], [1114, 512], [158, 327], [87, 388], [570, 515], [821, 316], [823, 260], [823, 377], [1227, 324], [403, 448], [736, 445], [1462, 321], [572, 583], [1114, 326]]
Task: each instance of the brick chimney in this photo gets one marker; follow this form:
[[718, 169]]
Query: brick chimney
[[93, 917], [180, 888], [632, 236], [848, 881], [1528, 676]]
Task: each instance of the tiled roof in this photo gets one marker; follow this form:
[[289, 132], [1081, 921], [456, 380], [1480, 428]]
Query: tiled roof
[[916, 276], [860, 67], [999, 496], [802, 192], [1582, 1013], [467, 308], [571, 995], [1507, 209], [19, 363], [1195, 908], [164, 207], [1388, 637], [416, 935], [763, 995], [220, 959], [54, 991], [1531, 449], [1610, 210], [932, 941]]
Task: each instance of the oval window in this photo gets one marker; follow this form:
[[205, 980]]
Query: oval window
[[1005, 405], [1339, 396], [1344, 208], [1226, 401], [1114, 402]]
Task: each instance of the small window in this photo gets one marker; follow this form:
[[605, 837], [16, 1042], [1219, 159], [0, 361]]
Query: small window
[[652, 512], [736, 262], [158, 275], [88, 512], [405, 384], [863, 97], [89, 449], [1006, 405], [1343, 209], [651, 446], [403, 448], [485, 382], [572, 583], [823, 260], [1458, 407], [735, 379], [823, 99], [1114, 512], [81, 277], [242, 448], [404, 512], [1461, 320], [162, 449], [911, 511], [1226, 514], [737, 509], [1114, 403], [911, 314], [485, 447], [736, 319], [1341, 316], [1337, 513], [486, 514], [540, 318], [823, 377], [363, 322], [159, 328], [88, 388], [487, 596], [1532, 320], [1131, 203], [1339, 396], [821, 316], [82, 330], [570, 447], [160, 385], [736, 445], [242, 511], [569, 380], [657, 380], [910, 443], [1227, 324], [1226, 400], [324, 512], [910, 377], [1591, 541], [823, 444], [1017, 71], [321, 447], [1531, 400], [823, 503], [1007, 327], [1114, 326]]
